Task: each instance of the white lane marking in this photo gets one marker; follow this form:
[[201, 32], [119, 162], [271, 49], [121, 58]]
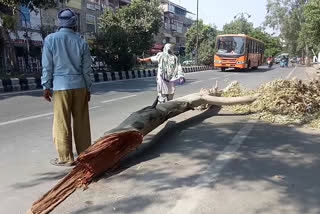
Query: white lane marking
[[94, 107], [196, 82], [25, 118], [228, 75], [123, 80], [214, 78], [291, 72], [34, 117], [120, 98], [200, 188]]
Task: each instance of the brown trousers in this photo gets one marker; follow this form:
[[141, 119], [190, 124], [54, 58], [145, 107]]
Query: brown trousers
[[66, 103]]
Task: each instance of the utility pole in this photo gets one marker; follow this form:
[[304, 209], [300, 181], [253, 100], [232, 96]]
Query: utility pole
[[197, 46]]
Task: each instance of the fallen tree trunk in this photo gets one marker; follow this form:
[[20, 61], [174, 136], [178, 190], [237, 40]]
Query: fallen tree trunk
[[106, 152]]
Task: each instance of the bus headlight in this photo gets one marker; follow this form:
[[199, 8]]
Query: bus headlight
[[241, 62], [218, 61]]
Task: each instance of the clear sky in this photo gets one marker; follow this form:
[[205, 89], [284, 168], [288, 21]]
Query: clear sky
[[219, 12]]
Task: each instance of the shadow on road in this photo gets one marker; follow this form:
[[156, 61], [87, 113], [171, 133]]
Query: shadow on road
[[259, 70], [269, 151], [41, 178]]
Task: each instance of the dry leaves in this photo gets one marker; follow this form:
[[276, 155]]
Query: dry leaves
[[282, 101]]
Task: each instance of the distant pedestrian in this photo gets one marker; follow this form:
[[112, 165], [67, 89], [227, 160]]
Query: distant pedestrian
[[66, 65], [169, 72]]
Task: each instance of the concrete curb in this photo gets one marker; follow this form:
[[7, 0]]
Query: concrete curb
[[31, 83]]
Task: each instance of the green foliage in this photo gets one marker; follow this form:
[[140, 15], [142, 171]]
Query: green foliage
[[287, 16], [272, 44], [311, 28], [129, 32], [206, 32], [207, 51], [238, 26], [207, 36], [9, 22], [45, 30]]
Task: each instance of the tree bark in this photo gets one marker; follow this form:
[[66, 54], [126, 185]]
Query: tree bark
[[9, 54], [114, 145]]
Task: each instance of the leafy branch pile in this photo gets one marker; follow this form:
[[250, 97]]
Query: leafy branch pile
[[282, 101]]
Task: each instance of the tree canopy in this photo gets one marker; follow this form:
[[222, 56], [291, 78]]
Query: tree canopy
[[129, 32], [207, 36], [238, 26], [287, 17], [311, 28]]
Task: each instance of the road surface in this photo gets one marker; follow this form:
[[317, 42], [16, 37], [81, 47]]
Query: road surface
[[213, 163]]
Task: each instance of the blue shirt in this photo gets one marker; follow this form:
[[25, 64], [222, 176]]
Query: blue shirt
[[66, 61]]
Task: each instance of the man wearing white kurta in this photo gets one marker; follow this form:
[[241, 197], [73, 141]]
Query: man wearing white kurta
[[169, 73]]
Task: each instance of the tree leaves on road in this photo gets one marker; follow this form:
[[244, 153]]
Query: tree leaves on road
[[282, 101]]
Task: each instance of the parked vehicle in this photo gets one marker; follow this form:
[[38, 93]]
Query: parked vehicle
[[96, 63], [188, 62], [294, 60]]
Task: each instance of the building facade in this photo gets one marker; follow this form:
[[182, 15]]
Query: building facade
[[32, 27], [88, 12], [174, 28]]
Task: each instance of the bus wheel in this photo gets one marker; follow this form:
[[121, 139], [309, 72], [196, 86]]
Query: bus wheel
[[223, 69]]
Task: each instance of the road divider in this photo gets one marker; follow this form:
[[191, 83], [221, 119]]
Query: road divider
[[32, 83]]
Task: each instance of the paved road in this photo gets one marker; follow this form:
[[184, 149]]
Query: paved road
[[209, 164]]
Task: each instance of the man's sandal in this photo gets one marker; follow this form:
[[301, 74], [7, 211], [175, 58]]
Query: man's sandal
[[56, 162]]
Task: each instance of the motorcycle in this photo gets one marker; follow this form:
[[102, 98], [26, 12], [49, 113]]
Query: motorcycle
[[270, 63]]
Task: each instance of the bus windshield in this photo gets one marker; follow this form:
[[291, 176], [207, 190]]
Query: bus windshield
[[231, 45]]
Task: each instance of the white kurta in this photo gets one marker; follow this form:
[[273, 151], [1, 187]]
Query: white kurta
[[164, 86]]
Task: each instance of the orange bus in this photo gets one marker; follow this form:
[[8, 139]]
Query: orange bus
[[238, 51]]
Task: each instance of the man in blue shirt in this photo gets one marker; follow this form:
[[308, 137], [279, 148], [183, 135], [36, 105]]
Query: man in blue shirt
[[66, 65]]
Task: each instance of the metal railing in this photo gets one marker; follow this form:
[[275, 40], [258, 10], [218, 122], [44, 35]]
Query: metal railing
[[24, 66]]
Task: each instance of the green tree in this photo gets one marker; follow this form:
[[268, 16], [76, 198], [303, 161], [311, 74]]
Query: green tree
[[272, 44], [207, 36], [287, 16], [311, 28], [129, 32], [207, 51], [238, 26]]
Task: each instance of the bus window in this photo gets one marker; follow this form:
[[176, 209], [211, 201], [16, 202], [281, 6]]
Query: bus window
[[252, 46], [231, 45], [255, 47]]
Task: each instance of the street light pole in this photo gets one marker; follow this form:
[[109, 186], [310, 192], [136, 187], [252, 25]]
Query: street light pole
[[197, 45]]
